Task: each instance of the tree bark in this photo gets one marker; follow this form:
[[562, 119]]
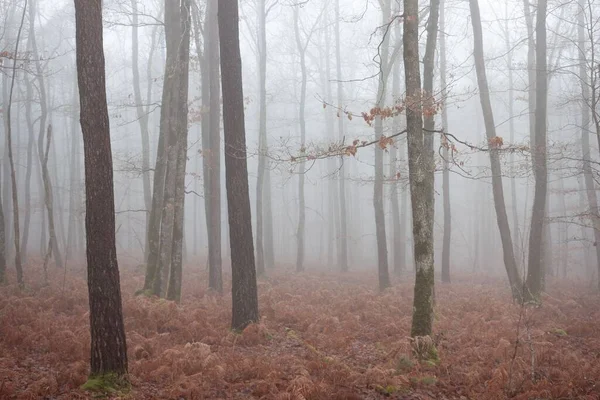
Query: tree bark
[[421, 166], [108, 346], [181, 126], [510, 264], [244, 288]]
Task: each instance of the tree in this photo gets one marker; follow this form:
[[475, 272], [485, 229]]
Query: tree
[[244, 288], [510, 264], [534, 271], [181, 129], [343, 244], [108, 346], [421, 165], [446, 173], [13, 177], [213, 153], [142, 115]]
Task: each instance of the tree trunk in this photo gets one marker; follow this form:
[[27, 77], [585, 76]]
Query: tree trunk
[[262, 136], [445, 153], [214, 151], [536, 233], [142, 115], [301, 202], [382, 253], [343, 239], [244, 290], [510, 264], [590, 188], [14, 188], [108, 346], [181, 126], [421, 165], [48, 201], [28, 172]]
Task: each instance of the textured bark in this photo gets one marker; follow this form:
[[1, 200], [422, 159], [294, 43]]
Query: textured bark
[[343, 239], [11, 162], [384, 60], [421, 165], [160, 171], [181, 127], [244, 290], [142, 115], [588, 178], [175, 109], [215, 280], [510, 264], [301, 47], [108, 346], [446, 240]]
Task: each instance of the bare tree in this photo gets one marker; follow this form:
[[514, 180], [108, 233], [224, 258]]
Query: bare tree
[[534, 271], [510, 264], [244, 288], [421, 164], [181, 128], [14, 190], [446, 173], [108, 345]]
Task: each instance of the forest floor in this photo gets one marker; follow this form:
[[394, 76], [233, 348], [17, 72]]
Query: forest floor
[[322, 336]]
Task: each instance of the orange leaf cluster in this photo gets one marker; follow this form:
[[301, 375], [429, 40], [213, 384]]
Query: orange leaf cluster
[[496, 142]]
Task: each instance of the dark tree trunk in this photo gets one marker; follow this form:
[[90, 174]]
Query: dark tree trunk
[[244, 290], [109, 348], [420, 163], [510, 264]]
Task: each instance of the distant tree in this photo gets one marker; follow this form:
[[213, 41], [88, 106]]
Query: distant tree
[[244, 288], [510, 264], [108, 345]]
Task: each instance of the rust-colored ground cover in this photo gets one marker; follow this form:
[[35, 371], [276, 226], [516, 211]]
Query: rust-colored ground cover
[[322, 336]]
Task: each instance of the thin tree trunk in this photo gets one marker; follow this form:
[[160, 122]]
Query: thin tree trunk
[[14, 189], [108, 344], [30, 142], [343, 239], [244, 288], [214, 152], [421, 164], [142, 115], [536, 233], [445, 153], [490, 129], [301, 202], [262, 135], [382, 253]]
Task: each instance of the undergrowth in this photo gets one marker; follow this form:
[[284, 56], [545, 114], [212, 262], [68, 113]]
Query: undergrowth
[[321, 336]]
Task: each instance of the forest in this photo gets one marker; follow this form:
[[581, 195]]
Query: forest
[[300, 199]]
